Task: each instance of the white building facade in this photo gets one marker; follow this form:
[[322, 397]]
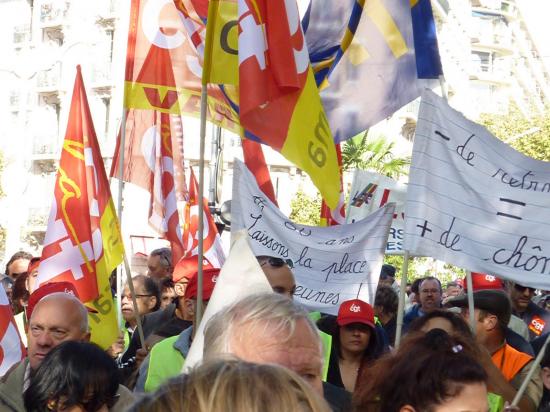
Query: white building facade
[[489, 59]]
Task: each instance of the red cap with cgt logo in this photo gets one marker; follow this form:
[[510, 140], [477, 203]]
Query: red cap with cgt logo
[[210, 276], [355, 311]]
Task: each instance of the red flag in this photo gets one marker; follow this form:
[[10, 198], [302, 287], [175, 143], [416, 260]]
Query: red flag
[[212, 244], [255, 161], [83, 244], [12, 349], [279, 100], [337, 216], [163, 212]]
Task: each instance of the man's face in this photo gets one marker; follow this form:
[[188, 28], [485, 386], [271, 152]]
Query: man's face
[[167, 297], [52, 322], [430, 295], [301, 353], [280, 278], [481, 330], [520, 297], [31, 281], [17, 267], [145, 302], [453, 291], [156, 269]]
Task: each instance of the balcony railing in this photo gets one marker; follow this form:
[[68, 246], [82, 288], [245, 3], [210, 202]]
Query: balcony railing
[[49, 79], [44, 148], [101, 74], [21, 34], [14, 99], [53, 13]]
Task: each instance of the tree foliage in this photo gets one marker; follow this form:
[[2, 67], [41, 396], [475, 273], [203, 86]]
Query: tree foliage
[[305, 209], [529, 135], [375, 154]]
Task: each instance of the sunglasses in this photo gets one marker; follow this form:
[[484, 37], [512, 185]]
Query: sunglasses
[[520, 288], [278, 262]]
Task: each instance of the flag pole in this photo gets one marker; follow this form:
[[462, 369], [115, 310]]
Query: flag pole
[[527, 379], [198, 310], [401, 305], [206, 68], [121, 145], [134, 301], [471, 307]]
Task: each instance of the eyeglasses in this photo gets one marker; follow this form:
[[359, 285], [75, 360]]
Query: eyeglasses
[[278, 262], [521, 289], [129, 297]]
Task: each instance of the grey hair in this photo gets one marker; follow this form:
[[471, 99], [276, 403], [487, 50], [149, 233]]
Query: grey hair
[[84, 327], [164, 254], [266, 312]]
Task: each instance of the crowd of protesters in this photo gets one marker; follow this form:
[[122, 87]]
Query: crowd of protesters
[[265, 352]]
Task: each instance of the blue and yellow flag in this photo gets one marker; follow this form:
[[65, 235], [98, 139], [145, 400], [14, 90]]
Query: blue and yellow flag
[[363, 53]]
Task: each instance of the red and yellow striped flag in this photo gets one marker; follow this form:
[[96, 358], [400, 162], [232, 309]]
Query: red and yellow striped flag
[[83, 244]]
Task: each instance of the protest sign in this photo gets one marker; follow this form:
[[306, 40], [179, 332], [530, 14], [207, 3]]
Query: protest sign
[[370, 191], [331, 264], [474, 201]]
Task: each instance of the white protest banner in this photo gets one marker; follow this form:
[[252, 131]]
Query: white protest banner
[[474, 201], [370, 191], [240, 276], [331, 264]]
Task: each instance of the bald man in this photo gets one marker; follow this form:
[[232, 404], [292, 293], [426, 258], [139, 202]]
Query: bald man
[[56, 318]]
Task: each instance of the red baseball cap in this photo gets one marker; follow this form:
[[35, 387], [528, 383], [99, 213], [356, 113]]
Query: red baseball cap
[[484, 281], [355, 311], [48, 289], [209, 278], [187, 267]]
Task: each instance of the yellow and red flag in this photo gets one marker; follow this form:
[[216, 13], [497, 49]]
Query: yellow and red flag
[[12, 349], [212, 244], [170, 34], [83, 244], [336, 216], [254, 159], [279, 100]]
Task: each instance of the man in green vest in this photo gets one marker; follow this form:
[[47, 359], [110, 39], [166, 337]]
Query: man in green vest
[[167, 356]]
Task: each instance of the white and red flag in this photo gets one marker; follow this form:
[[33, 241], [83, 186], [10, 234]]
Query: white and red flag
[[83, 244], [12, 349], [212, 244]]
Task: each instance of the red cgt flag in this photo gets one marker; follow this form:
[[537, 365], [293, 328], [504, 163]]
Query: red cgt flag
[[12, 349], [212, 245], [83, 244]]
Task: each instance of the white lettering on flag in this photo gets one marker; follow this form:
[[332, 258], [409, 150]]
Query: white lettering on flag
[[474, 201], [331, 264]]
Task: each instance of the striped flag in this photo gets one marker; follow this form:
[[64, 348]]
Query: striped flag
[[279, 100], [83, 244], [12, 349]]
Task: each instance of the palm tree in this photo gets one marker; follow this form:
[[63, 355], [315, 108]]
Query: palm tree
[[376, 155]]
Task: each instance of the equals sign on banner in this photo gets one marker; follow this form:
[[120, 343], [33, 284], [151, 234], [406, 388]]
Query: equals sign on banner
[[510, 202]]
